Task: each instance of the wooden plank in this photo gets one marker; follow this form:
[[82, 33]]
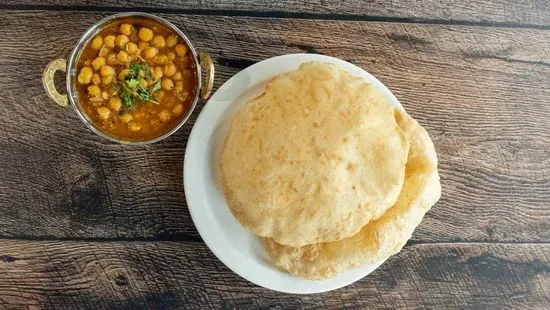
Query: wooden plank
[[531, 13], [482, 93], [161, 275]]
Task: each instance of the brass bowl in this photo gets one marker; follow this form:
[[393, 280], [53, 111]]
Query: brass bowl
[[201, 61]]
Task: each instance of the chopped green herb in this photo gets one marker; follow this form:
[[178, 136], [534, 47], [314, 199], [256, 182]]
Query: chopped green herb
[[131, 89], [128, 101], [156, 86], [132, 83]]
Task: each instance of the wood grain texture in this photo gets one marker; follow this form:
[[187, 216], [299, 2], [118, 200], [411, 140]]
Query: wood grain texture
[[482, 93], [166, 275], [531, 13]]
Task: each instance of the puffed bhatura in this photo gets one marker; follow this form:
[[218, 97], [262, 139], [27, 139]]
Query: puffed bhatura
[[327, 172], [313, 159]]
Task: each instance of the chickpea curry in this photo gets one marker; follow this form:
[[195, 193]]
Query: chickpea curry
[[136, 79]]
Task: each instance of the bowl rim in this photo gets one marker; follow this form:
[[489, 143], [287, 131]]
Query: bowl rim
[[83, 42]]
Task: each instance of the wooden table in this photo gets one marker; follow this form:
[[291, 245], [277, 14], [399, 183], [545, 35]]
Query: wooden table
[[85, 223]]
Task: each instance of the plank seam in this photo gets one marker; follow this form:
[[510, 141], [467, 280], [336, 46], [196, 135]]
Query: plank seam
[[274, 14], [197, 239], [180, 237], [415, 242]]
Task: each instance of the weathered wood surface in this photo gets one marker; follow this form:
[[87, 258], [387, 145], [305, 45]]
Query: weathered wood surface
[[530, 13], [475, 74], [165, 275], [482, 93]]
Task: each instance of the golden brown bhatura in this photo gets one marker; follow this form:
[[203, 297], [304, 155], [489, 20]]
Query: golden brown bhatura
[[314, 158]]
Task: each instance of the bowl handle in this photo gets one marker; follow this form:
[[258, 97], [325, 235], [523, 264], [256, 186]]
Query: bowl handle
[[48, 82], [208, 67]]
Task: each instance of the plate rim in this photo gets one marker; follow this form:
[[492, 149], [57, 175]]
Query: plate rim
[[304, 57]]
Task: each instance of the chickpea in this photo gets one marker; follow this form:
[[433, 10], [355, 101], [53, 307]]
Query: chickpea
[[155, 123], [104, 95], [109, 41], [115, 103], [142, 45], [167, 84], [121, 40], [188, 73], [125, 118], [96, 78], [171, 55], [104, 51], [144, 83], [164, 115], [169, 69], [103, 112], [85, 75], [107, 70], [171, 41], [177, 76], [145, 34], [179, 87], [134, 126], [183, 95], [178, 109], [97, 42], [112, 59], [150, 52], [125, 29], [123, 56], [123, 74], [158, 41], [161, 59], [98, 63], [96, 101], [108, 79], [131, 48], [157, 72], [159, 94], [94, 91], [181, 50]]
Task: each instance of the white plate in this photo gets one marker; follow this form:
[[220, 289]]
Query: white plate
[[235, 246]]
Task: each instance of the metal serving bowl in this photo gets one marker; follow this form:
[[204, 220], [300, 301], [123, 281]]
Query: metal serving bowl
[[201, 60]]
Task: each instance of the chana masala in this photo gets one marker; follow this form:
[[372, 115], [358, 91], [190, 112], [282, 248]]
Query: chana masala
[[136, 79]]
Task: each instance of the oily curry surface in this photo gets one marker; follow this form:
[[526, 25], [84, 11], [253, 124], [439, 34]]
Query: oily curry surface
[[136, 79]]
